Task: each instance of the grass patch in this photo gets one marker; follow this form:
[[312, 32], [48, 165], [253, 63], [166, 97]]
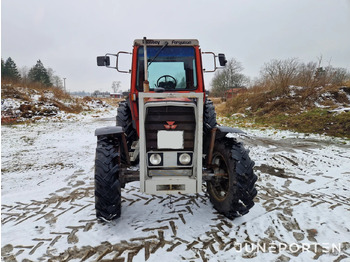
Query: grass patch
[[317, 120], [300, 109]]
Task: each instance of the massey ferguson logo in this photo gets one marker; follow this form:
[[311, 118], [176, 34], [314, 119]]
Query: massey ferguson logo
[[170, 125], [181, 42]]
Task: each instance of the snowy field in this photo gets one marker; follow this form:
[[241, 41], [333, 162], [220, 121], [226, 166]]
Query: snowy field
[[302, 210]]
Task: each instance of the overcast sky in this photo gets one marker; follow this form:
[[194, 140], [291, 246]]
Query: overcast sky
[[67, 35]]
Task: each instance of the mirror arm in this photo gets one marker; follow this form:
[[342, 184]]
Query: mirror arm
[[117, 56], [215, 67], [214, 56]]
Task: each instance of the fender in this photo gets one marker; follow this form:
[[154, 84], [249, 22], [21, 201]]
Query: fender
[[115, 130], [219, 132], [222, 131], [109, 130]]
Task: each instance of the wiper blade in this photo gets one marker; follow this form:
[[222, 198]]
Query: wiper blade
[[160, 50]]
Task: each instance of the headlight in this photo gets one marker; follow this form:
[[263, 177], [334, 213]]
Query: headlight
[[155, 159], [185, 159]]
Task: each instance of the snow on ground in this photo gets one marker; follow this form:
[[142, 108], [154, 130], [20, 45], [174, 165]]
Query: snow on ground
[[301, 213]]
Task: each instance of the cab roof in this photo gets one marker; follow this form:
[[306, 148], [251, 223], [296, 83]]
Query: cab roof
[[171, 42]]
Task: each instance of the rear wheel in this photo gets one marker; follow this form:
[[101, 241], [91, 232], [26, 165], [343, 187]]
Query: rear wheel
[[124, 119], [232, 190], [107, 185], [209, 117]]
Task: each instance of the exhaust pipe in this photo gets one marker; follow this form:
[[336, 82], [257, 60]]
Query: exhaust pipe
[[145, 83]]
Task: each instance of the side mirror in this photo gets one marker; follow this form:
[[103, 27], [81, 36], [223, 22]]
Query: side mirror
[[222, 59], [103, 61], [106, 61]]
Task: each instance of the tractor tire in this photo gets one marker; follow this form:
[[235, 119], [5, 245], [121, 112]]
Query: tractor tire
[[233, 189], [107, 185], [209, 117], [124, 119]]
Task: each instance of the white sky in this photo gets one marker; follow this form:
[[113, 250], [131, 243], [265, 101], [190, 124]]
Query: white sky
[[67, 35]]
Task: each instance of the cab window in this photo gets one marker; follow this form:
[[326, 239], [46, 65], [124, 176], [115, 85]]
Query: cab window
[[171, 68]]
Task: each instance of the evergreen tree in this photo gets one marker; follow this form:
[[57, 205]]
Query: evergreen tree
[[9, 70], [2, 67], [39, 74]]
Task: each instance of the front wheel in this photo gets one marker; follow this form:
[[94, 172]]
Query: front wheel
[[232, 189], [107, 185]]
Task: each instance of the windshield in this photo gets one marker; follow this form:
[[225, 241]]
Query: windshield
[[174, 68]]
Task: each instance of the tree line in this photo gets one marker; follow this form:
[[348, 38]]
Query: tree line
[[37, 74], [279, 75]]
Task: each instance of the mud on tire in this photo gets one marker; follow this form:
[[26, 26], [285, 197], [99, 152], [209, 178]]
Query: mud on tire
[[107, 185], [233, 189]]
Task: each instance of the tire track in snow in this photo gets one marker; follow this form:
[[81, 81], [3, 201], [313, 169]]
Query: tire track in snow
[[221, 237], [302, 191]]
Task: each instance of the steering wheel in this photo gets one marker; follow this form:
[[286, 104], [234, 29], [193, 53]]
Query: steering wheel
[[171, 84]]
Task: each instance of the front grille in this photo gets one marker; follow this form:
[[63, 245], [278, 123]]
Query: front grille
[[157, 117]]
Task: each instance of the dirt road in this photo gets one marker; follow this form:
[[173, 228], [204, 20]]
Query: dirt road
[[302, 209]]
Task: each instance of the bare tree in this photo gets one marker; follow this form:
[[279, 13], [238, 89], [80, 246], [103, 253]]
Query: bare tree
[[330, 75], [228, 78], [54, 79], [336, 75], [306, 74], [116, 86], [280, 73], [57, 81], [24, 74]]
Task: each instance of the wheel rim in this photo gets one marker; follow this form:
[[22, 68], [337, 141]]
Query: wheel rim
[[220, 183]]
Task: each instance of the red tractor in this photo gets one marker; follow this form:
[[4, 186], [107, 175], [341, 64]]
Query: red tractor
[[166, 135]]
